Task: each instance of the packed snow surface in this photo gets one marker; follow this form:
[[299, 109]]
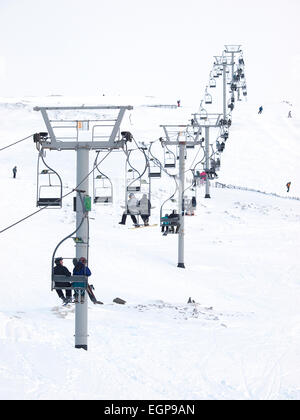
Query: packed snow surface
[[240, 339]]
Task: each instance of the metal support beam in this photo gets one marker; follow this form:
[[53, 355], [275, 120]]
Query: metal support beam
[[81, 309], [224, 91], [182, 147], [207, 184]]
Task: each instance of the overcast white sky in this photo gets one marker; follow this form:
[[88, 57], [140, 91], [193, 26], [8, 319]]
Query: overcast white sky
[[138, 47]]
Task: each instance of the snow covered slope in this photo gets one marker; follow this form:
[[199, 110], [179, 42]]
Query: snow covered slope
[[239, 340]]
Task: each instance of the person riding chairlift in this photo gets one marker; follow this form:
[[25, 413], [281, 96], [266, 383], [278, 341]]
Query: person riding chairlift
[[132, 210], [166, 228], [81, 269], [144, 206], [61, 270]]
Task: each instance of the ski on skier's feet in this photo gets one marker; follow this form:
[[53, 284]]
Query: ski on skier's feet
[[142, 226]]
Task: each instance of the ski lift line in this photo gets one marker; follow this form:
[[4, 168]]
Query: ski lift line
[[45, 207], [16, 142]]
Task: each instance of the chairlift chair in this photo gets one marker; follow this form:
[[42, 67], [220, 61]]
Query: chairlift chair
[[208, 98], [154, 170], [170, 159], [203, 114], [49, 194], [78, 283], [103, 190], [133, 183], [212, 83]]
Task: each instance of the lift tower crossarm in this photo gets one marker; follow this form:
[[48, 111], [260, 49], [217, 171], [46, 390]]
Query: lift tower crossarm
[[58, 143], [176, 128]]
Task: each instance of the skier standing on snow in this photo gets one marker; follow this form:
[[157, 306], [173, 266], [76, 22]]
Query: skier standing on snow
[[260, 110], [288, 185], [290, 114], [15, 172], [132, 210], [60, 270]]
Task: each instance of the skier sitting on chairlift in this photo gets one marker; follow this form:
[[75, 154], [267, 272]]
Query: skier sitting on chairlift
[[220, 146], [144, 206], [81, 269], [166, 228], [90, 287], [61, 270], [132, 210]]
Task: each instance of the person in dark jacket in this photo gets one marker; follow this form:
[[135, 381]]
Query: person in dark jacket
[[15, 172], [288, 186], [61, 270], [260, 110], [166, 228], [80, 269]]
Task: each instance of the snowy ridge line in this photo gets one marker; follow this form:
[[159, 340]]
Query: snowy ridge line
[[235, 187]]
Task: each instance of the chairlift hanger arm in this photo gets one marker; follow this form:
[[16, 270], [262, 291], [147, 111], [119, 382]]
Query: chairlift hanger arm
[[71, 234]]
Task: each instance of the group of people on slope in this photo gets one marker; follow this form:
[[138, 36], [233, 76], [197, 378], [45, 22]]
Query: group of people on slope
[[80, 269], [137, 207]]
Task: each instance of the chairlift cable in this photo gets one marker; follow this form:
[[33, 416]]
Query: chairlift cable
[[19, 141]]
